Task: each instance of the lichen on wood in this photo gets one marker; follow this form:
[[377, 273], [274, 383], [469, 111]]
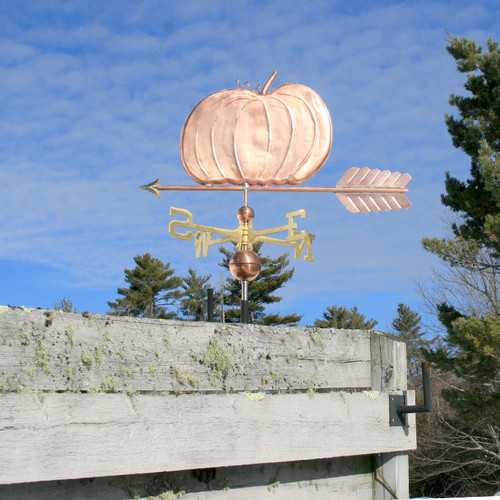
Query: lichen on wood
[[87, 359], [76, 352], [217, 362], [184, 377], [70, 332], [316, 339], [110, 383], [311, 387], [42, 358]]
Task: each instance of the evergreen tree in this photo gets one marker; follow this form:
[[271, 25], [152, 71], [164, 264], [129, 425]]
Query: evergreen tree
[[273, 275], [193, 304], [406, 326], [472, 344], [458, 443], [152, 289], [341, 317], [477, 132]]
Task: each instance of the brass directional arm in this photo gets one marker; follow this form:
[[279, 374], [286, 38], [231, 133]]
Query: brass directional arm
[[243, 235]]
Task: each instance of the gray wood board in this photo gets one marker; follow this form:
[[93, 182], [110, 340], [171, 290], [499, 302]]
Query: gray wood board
[[337, 478], [67, 436], [43, 350], [391, 472]]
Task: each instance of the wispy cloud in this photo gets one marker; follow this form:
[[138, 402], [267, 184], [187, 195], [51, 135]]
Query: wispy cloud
[[94, 96]]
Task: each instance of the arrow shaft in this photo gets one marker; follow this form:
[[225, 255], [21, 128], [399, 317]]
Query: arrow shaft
[[293, 189]]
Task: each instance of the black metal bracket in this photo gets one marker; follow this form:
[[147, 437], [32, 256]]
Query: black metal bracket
[[397, 403], [210, 305]]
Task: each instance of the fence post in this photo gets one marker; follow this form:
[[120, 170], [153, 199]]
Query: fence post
[[391, 470]]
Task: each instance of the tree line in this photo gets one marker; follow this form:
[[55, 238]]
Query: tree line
[[154, 291]]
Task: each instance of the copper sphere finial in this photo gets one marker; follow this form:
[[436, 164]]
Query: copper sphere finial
[[246, 214], [245, 265]]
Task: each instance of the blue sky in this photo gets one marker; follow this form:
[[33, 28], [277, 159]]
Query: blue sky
[[93, 97]]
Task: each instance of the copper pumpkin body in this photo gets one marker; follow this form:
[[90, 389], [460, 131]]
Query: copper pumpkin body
[[237, 136]]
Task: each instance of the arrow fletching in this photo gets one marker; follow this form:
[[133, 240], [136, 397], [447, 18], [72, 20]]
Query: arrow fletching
[[372, 190]]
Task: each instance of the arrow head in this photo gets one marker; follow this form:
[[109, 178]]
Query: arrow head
[[153, 187]]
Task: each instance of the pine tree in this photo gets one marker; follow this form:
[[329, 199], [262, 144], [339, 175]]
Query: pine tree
[[341, 317], [153, 288], [193, 304], [273, 275], [472, 344], [477, 133], [406, 326]]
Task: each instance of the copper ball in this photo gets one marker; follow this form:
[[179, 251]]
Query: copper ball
[[245, 265], [246, 214]]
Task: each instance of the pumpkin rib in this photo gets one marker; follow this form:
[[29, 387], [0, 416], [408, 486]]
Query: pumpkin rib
[[278, 178], [269, 135], [290, 175], [235, 144], [314, 143], [210, 101], [317, 128], [213, 142]]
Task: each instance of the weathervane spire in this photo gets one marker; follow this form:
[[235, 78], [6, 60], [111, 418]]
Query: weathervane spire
[[244, 140]]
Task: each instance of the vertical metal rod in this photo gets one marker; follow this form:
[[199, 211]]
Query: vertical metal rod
[[210, 305], [426, 375], [244, 302], [244, 284], [427, 406], [245, 194]]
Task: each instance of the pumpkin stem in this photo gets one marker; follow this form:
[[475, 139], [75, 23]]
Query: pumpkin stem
[[269, 82]]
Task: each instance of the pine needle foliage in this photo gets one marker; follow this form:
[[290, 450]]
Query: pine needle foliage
[[153, 289], [341, 317], [274, 274], [193, 298]]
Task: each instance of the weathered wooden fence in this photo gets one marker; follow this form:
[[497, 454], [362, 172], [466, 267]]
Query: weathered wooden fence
[[111, 407]]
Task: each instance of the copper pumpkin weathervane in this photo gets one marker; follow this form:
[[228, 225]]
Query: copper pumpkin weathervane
[[260, 141]]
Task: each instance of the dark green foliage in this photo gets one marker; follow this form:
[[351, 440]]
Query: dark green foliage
[[472, 345], [477, 132], [152, 289], [273, 275], [472, 354], [458, 448], [406, 326], [341, 317], [193, 304]]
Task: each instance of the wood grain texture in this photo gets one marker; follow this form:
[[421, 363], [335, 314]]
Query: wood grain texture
[[89, 396], [391, 470], [336, 478], [66, 436], [49, 351], [388, 363]]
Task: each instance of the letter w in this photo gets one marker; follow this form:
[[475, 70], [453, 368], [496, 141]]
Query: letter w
[[202, 242]]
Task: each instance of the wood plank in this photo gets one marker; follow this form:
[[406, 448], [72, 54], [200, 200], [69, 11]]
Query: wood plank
[[391, 470], [42, 350], [388, 363], [337, 478], [391, 475], [67, 436]]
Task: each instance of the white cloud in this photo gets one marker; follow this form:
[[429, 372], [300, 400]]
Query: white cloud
[[93, 102]]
